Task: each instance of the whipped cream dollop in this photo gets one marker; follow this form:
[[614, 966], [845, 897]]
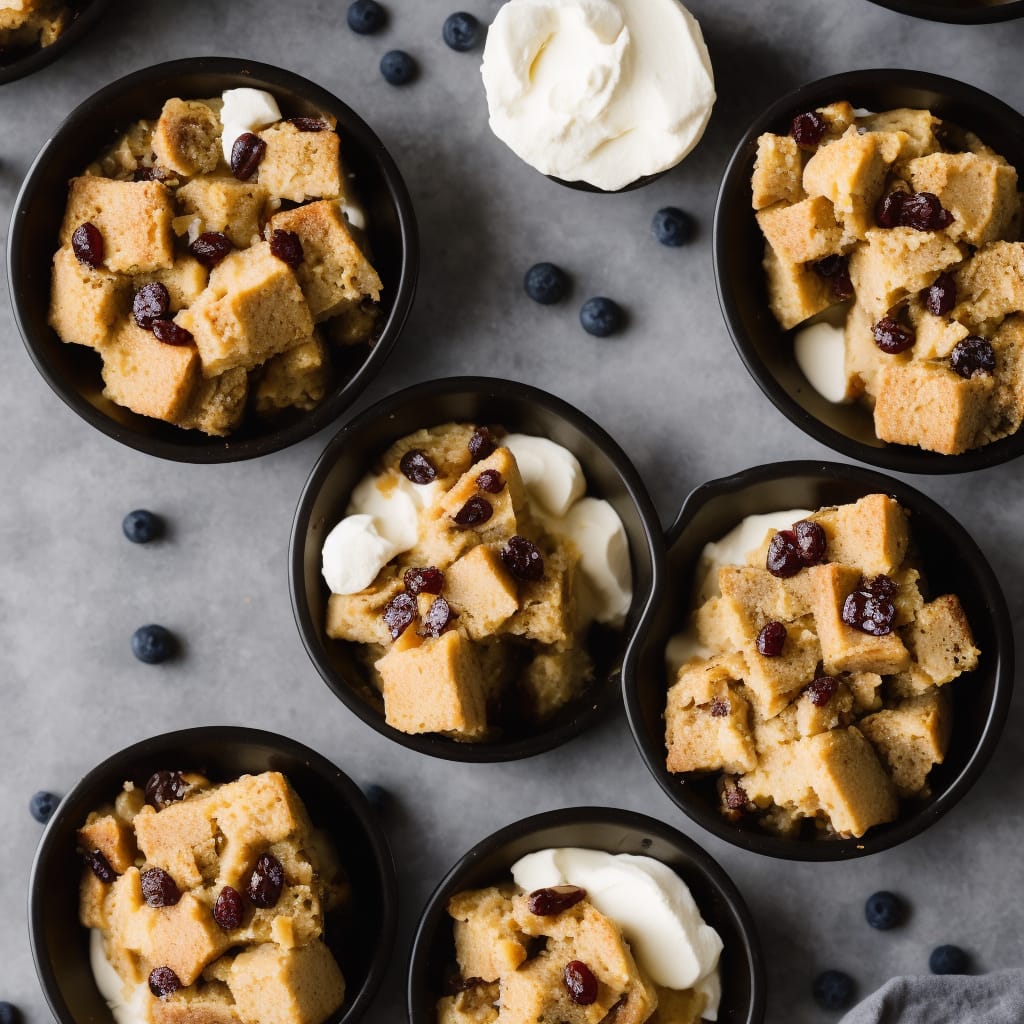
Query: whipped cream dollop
[[602, 91], [652, 905], [820, 352], [245, 110], [127, 1005]]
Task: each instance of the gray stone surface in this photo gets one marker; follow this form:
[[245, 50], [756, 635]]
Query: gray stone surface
[[670, 389]]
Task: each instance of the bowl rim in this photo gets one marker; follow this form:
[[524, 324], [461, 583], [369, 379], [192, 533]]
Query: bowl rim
[[615, 816], [652, 750], [335, 402], [226, 735], [890, 456], [40, 57], [954, 15], [432, 743]]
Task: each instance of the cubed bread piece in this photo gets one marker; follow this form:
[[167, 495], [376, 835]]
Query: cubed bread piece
[[184, 280], [930, 405], [112, 837], [300, 165], [480, 591], [227, 205], [721, 624], [844, 648], [271, 985], [507, 505], [777, 171], [701, 680], [295, 920], [148, 376], [849, 173], [488, 942], [813, 718], [773, 681], [1008, 397], [896, 263], [202, 1003], [991, 284], [678, 1006], [251, 310], [218, 404], [941, 642], [870, 534], [712, 735], [980, 193], [795, 293], [477, 1004], [92, 900], [838, 117], [333, 273], [85, 304], [184, 937], [178, 838], [936, 336], [359, 618], [548, 611], [355, 323], [133, 149], [801, 232], [134, 218], [296, 379], [186, 138], [866, 689], [911, 738], [908, 598], [553, 678], [447, 447], [862, 358], [436, 687], [759, 597], [918, 125]]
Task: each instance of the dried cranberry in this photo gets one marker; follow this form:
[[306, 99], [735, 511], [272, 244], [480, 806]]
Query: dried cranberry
[[784, 559], [811, 540], [159, 889], [842, 286], [891, 336], [170, 333], [808, 129], [940, 297], [581, 983], [424, 581], [152, 302], [246, 154], [973, 357], [835, 269], [881, 586], [481, 444], [163, 982], [417, 467], [87, 245], [889, 210], [870, 608], [210, 248], [399, 613], [228, 910], [309, 124], [719, 708], [287, 247], [771, 639], [923, 212], [439, 614], [822, 690], [266, 881], [166, 787], [100, 866], [491, 481], [523, 559], [476, 511], [552, 901]]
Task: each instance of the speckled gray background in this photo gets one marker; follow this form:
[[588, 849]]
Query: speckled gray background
[[671, 390]]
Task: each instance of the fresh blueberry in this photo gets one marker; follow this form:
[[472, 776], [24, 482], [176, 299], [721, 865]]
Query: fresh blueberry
[[461, 31], [142, 526], [672, 226], [377, 795], [884, 910], [545, 283], [366, 16], [833, 990], [42, 805], [152, 644], [398, 67], [9, 1014], [601, 316], [948, 960]]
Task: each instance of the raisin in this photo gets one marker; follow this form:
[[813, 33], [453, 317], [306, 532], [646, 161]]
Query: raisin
[[159, 889], [166, 787], [151, 174], [888, 210], [940, 297], [523, 559], [784, 558], [771, 639], [399, 613], [881, 586], [152, 302], [287, 247], [973, 357], [266, 882], [246, 154], [923, 212], [210, 248], [822, 690], [163, 982], [309, 124], [417, 467], [808, 129], [481, 444], [871, 607], [170, 333], [552, 901], [892, 337], [810, 541], [227, 911], [835, 269], [87, 245], [491, 481], [581, 983], [424, 581], [476, 511], [439, 614], [719, 708], [100, 866]]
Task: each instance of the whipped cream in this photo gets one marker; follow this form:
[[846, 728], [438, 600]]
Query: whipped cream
[[650, 903], [552, 474], [128, 1004], [820, 352], [602, 91], [245, 110]]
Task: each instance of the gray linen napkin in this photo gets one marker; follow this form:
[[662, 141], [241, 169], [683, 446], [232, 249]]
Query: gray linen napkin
[[996, 998]]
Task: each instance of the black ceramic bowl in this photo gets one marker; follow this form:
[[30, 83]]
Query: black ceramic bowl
[[763, 346], [60, 945], [520, 408], [956, 12], [614, 831], [21, 62], [74, 371], [952, 563]]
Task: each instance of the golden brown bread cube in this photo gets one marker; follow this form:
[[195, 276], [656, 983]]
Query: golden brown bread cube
[[678, 1006], [333, 273], [777, 171], [554, 677], [795, 293], [865, 689], [758, 597], [871, 534], [773, 681], [488, 941], [480, 591], [184, 937], [507, 506], [359, 618], [134, 218], [475, 1005], [202, 1003], [918, 126], [447, 447], [184, 280], [227, 205], [218, 404], [991, 284], [1008, 398], [941, 642], [112, 837], [297, 378], [863, 360], [813, 718], [133, 149], [177, 838], [92, 900], [300, 165], [85, 304], [436, 687], [911, 738], [936, 336], [186, 137], [547, 609], [801, 232]]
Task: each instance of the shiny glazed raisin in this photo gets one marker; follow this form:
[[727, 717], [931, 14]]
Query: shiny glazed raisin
[[771, 639], [822, 690], [428, 580], [439, 614], [523, 559], [940, 297], [170, 333], [719, 708], [210, 248], [553, 900], [246, 154], [100, 866], [475, 512], [163, 982], [783, 559], [399, 613], [810, 541], [152, 302], [417, 467], [159, 889], [166, 787], [309, 124], [266, 882], [580, 982], [481, 444], [808, 129], [287, 247], [491, 481], [891, 336], [973, 357], [228, 910], [87, 245]]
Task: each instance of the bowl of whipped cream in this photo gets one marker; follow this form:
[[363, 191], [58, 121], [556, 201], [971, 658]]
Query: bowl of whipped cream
[[600, 95]]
